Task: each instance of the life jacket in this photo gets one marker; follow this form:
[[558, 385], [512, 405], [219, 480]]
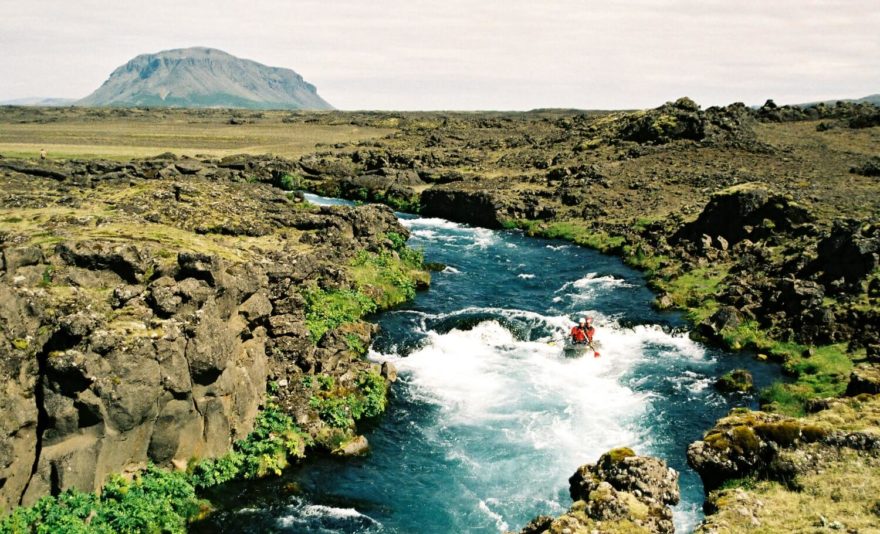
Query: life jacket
[[589, 333], [578, 335]]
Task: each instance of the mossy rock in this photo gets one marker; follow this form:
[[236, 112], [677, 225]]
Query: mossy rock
[[787, 433], [738, 380], [617, 455]]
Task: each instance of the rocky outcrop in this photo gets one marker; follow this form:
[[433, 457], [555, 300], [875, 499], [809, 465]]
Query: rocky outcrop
[[747, 211], [864, 378], [684, 120], [468, 205], [147, 331], [622, 492], [755, 465], [847, 255]]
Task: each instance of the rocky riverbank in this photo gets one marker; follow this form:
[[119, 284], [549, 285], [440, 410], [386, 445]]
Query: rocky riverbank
[[761, 224], [147, 306]]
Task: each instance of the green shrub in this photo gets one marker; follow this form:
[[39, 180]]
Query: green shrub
[[290, 182], [327, 309], [374, 391], [398, 242], [155, 501], [340, 407]]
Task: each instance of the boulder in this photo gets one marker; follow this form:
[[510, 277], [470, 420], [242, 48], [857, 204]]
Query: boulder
[[743, 211], [622, 492], [847, 255], [15, 257], [864, 378], [356, 446], [745, 443], [738, 380], [477, 207], [125, 260]]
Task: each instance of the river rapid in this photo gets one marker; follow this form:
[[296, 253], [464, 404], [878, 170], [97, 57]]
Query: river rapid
[[489, 419]]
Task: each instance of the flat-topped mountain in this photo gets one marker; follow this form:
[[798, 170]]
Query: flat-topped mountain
[[204, 77]]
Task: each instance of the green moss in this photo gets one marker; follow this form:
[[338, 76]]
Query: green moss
[[735, 380], [695, 290], [743, 439], [619, 454], [20, 344], [786, 433]]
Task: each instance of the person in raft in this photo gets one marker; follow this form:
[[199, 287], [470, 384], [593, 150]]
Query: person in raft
[[582, 333]]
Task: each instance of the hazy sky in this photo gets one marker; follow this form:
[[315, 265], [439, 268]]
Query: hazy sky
[[474, 54]]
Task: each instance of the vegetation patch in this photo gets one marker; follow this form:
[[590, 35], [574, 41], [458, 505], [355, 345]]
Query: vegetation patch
[[328, 309], [340, 407], [389, 278], [161, 501], [154, 501]]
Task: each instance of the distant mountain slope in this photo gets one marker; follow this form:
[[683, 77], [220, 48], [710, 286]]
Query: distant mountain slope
[[204, 77], [870, 99], [39, 101]]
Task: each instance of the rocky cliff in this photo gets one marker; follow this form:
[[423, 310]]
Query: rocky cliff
[[145, 305], [203, 77]]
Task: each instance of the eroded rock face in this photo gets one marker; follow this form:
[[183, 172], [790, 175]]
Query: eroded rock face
[[622, 492], [139, 338]]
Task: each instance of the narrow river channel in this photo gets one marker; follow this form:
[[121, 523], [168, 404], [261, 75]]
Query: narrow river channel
[[489, 419]]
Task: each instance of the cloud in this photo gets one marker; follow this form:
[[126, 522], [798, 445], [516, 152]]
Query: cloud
[[458, 54]]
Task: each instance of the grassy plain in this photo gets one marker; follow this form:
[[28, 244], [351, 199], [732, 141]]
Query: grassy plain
[[124, 134]]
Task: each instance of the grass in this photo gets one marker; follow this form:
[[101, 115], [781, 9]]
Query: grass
[[695, 290], [175, 131], [822, 375], [843, 488]]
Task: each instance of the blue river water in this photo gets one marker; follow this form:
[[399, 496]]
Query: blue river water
[[489, 419]]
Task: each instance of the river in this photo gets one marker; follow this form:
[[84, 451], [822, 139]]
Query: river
[[489, 419]]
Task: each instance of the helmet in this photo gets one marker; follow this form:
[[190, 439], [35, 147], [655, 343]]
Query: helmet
[[589, 319], [582, 321]]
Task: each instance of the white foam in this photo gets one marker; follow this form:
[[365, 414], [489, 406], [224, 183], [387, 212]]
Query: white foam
[[499, 521], [433, 222], [525, 276], [299, 513], [558, 247], [483, 238], [574, 408], [450, 270], [593, 280]]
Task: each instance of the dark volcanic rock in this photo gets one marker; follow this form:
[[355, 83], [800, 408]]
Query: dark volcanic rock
[[847, 256], [477, 207], [745, 211]]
